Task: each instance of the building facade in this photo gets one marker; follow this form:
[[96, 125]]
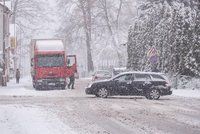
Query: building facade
[[5, 14]]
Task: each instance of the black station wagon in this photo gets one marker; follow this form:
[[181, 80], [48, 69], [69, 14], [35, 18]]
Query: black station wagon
[[149, 84]]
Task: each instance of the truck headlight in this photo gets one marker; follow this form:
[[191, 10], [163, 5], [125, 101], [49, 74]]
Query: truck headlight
[[62, 80], [39, 81]]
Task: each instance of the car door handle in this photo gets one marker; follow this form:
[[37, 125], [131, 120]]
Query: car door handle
[[129, 83]]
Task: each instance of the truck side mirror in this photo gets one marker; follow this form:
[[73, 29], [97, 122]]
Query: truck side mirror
[[31, 62]]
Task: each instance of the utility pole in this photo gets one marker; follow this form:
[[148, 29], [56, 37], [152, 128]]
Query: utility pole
[[4, 46]]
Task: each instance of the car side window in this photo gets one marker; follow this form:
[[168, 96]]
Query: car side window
[[142, 77], [157, 77], [124, 78]]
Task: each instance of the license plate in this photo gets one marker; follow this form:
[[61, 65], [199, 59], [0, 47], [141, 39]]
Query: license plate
[[51, 84]]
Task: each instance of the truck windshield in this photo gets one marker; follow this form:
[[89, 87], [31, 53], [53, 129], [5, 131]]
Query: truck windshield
[[50, 60]]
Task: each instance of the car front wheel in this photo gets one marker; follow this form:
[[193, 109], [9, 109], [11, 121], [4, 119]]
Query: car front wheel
[[102, 93], [153, 94]]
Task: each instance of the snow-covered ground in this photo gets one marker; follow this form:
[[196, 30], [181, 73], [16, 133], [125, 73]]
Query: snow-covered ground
[[23, 110], [19, 119], [187, 93]]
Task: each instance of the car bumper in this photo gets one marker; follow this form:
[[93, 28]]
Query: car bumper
[[166, 92], [88, 91]]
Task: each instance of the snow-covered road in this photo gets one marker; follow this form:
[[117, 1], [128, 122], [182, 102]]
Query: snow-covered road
[[26, 111], [21, 119]]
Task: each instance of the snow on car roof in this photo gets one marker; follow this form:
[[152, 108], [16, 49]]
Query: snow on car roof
[[49, 45], [139, 72]]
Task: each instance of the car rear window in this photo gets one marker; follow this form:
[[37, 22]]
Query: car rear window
[[157, 77]]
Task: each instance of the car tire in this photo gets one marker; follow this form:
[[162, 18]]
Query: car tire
[[102, 92], [153, 94]]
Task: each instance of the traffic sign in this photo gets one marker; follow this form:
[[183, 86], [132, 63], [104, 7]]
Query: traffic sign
[[153, 55]]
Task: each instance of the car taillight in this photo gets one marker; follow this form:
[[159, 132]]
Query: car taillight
[[167, 84]]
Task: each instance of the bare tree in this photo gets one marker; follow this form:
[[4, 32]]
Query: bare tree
[[27, 13], [85, 6], [99, 23], [77, 24], [106, 17]]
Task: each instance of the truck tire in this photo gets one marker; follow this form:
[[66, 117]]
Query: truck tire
[[63, 87]]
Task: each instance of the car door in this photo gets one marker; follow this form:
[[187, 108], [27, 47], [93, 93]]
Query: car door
[[123, 84], [141, 81]]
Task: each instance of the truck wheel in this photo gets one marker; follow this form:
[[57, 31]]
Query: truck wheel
[[37, 87], [153, 94], [63, 87], [102, 92]]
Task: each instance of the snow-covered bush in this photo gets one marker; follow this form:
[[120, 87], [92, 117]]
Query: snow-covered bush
[[185, 82]]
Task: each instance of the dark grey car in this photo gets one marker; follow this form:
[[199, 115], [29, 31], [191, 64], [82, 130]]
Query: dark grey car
[[149, 84]]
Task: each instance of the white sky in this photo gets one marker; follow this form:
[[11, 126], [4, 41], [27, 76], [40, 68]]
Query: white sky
[[49, 28]]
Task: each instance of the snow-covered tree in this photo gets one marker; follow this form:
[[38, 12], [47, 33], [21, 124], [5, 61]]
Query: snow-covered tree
[[173, 28]]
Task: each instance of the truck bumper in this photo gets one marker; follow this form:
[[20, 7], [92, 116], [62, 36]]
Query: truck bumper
[[50, 83]]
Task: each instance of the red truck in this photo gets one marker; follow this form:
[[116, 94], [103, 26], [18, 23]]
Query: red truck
[[50, 66]]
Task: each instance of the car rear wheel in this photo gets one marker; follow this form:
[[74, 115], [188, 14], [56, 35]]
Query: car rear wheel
[[153, 94], [102, 93]]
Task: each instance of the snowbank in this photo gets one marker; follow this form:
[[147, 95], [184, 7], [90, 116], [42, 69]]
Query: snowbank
[[187, 93]]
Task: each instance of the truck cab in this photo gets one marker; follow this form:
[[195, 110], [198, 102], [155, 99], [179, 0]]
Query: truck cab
[[48, 63]]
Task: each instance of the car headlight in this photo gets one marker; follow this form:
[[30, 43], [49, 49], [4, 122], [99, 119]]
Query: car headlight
[[89, 85]]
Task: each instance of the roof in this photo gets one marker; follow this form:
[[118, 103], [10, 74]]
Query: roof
[[49, 45]]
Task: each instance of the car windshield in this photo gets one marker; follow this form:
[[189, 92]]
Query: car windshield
[[50, 60]]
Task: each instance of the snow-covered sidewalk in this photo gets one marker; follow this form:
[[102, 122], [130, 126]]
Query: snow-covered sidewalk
[[187, 93], [18, 119], [24, 88]]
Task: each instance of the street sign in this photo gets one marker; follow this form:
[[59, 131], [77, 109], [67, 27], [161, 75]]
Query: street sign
[[13, 42], [152, 55]]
